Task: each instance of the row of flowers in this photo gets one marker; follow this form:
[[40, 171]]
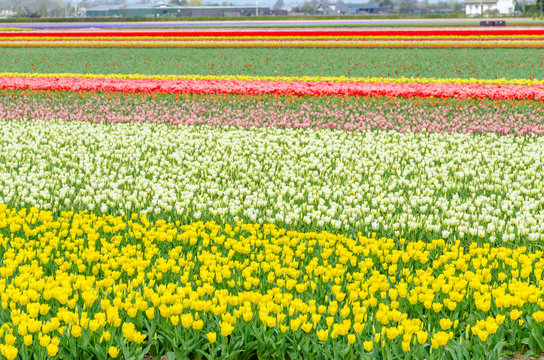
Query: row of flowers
[[417, 186], [159, 36], [351, 114], [279, 44], [18, 29], [537, 31], [98, 286], [277, 87], [382, 38], [339, 79]]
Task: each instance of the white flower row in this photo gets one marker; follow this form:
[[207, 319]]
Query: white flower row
[[462, 186]]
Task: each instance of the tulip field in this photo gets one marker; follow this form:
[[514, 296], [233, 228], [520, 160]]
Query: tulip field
[[463, 63], [290, 193]]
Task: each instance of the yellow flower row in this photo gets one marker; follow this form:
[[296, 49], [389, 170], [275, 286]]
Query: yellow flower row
[[97, 279], [406, 80], [13, 29]]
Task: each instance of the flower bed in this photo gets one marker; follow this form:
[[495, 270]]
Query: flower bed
[[310, 41], [419, 115], [105, 287], [388, 205], [287, 32], [417, 186], [498, 64], [254, 87]]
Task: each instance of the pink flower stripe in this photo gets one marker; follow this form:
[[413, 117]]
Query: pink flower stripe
[[255, 87], [347, 114]]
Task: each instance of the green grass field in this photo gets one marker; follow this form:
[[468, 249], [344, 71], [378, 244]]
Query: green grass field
[[438, 63]]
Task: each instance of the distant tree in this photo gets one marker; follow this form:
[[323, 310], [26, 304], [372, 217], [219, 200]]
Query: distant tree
[[85, 4], [341, 6], [385, 3], [278, 5], [407, 6], [178, 2], [195, 2], [458, 6], [315, 5], [306, 8], [41, 8], [55, 9]]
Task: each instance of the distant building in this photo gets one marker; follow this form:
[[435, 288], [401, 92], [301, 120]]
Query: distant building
[[7, 14], [489, 7], [367, 8], [161, 10], [353, 9]]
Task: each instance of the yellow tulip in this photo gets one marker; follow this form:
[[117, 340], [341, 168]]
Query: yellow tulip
[[445, 324], [10, 352], [212, 337], [150, 313], [9, 339], [539, 316], [422, 337], [440, 339], [483, 334], [27, 340], [113, 351], [75, 331], [106, 336], [226, 328], [323, 335]]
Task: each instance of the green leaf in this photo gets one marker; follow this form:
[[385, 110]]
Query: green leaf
[[497, 350], [533, 345], [538, 338], [465, 353], [144, 352], [205, 354], [455, 355]]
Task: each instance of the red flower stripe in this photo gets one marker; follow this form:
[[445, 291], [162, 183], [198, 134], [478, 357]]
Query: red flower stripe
[[264, 33], [255, 87]]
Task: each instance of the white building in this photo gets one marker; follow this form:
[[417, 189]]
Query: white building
[[7, 14], [489, 7]]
